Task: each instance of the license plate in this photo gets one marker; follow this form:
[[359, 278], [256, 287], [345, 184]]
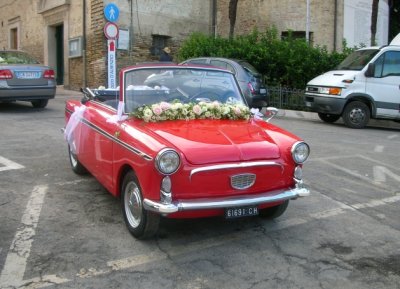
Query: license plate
[[27, 74], [308, 104], [263, 91], [238, 212]]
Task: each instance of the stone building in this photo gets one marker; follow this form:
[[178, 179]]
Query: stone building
[[69, 34]]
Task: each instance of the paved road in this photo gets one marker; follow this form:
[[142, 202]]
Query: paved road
[[60, 230]]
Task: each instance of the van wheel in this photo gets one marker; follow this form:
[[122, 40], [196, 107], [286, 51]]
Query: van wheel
[[141, 223], [327, 117], [356, 114]]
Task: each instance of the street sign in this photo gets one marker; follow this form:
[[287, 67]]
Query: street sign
[[111, 30], [111, 12], [112, 65]]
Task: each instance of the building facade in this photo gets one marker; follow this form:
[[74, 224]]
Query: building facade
[[69, 34], [323, 23]]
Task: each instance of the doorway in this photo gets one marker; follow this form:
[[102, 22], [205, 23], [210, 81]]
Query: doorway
[[59, 37]]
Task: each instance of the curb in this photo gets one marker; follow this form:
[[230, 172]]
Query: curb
[[293, 114]]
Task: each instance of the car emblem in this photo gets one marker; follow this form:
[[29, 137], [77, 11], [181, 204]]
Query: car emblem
[[243, 181]]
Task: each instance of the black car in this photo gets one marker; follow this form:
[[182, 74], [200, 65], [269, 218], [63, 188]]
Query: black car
[[249, 79]]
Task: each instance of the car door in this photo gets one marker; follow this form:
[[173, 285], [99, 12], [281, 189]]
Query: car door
[[384, 87], [96, 145]]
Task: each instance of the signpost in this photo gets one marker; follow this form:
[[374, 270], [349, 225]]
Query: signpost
[[111, 64], [111, 31]]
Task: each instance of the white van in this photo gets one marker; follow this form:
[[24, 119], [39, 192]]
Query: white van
[[365, 85]]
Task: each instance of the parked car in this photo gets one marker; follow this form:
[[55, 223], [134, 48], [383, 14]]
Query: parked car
[[187, 151], [365, 85], [23, 78], [250, 80]]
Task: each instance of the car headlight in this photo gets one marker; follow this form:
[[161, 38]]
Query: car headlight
[[300, 152], [167, 161]]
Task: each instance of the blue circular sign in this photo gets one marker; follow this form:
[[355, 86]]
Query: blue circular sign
[[111, 12]]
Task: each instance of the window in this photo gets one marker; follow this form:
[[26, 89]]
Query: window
[[198, 61], [159, 42], [388, 64], [75, 47], [14, 38], [222, 64], [296, 35]]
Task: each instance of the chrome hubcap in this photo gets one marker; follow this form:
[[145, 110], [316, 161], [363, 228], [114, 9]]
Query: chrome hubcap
[[74, 161], [357, 115], [133, 204]]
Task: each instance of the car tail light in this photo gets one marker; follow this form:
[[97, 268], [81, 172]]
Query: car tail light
[[49, 74], [5, 74], [250, 86]]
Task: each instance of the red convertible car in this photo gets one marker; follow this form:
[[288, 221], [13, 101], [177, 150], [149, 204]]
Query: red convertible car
[[180, 142]]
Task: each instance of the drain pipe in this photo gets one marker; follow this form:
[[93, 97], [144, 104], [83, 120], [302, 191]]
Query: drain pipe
[[308, 22], [335, 26], [84, 76], [214, 18]]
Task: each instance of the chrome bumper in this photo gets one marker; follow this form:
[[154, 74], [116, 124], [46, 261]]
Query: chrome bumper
[[218, 203]]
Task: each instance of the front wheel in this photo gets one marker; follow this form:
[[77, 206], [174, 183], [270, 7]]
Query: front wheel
[[356, 114], [274, 212], [76, 166], [329, 118], [141, 223]]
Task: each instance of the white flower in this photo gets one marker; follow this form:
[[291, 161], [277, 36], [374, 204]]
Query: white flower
[[197, 109], [225, 110], [157, 110]]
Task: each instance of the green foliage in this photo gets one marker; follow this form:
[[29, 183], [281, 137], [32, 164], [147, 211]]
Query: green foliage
[[289, 62]]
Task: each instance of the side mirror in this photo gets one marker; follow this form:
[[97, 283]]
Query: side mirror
[[370, 72], [270, 113]]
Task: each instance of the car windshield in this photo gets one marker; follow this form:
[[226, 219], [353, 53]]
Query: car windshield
[[249, 68], [149, 86], [16, 57], [357, 60]]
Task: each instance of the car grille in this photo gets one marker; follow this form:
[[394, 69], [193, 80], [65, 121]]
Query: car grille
[[242, 181]]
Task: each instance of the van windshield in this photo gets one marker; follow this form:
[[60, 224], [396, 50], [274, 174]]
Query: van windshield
[[357, 60]]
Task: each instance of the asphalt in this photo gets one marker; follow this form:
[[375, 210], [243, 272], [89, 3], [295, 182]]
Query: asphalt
[[282, 113]]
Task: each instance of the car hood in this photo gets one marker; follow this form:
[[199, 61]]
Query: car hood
[[209, 141], [333, 78]]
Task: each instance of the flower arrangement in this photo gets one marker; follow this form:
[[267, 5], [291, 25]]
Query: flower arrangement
[[187, 111]]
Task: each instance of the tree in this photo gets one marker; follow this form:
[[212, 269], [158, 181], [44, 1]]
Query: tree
[[374, 19], [232, 16], [394, 19]]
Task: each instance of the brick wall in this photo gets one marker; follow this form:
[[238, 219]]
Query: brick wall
[[284, 15], [96, 54], [15, 14], [36, 20]]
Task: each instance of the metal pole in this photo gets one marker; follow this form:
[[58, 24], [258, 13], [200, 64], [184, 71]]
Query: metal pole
[[308, 22], [84, 76]]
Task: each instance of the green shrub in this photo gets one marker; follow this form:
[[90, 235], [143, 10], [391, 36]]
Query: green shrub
[[289, 62]]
